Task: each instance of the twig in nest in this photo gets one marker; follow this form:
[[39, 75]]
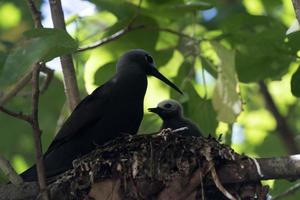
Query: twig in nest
[[219, 184]]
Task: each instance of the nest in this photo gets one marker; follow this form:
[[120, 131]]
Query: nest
[[168, 165]]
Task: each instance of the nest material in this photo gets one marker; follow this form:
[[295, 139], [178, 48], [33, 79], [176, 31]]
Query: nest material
[[164, 166]]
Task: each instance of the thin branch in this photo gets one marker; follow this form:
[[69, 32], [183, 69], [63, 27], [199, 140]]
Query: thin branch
[[49, 77], [13, 90], [118, 34], [36, 15], [23, 81], [18, 115], [282, 127], [288, 192], [70, 82], [9, 171], [136, 13], [37, 132], [128, 29], [110, 38], [174, 32]]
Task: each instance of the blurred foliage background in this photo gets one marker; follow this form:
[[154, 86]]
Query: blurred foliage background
[[216, 52]]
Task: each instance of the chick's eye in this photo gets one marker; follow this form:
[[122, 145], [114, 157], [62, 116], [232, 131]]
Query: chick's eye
[[149, 59], [167, 105]]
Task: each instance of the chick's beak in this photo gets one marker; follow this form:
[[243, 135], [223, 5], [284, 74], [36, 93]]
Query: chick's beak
[[154, 110]]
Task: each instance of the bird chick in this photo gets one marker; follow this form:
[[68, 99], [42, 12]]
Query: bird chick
[[171, 112]]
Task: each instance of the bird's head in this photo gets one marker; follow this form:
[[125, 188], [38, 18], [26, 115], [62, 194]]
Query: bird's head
[[168, 109], [139, 60]]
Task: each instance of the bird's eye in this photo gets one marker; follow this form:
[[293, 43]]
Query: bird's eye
[[149, 59], [167, 105]]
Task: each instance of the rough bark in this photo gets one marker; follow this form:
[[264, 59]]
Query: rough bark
[[70, 82]]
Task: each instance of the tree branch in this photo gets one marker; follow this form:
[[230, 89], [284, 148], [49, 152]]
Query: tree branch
[[283, 129], [70, 82], [9, 171], [49, 77], [36, 15], [37, 132], [23, 81], [296, 4], [110, 38], [128, 29], [13, 91], [18, 115], [168, 30]]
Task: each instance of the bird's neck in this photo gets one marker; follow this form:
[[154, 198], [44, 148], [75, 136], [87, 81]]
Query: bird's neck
[[135, 81], [172, 118]]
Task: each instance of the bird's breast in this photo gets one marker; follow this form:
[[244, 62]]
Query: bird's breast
[[129, 103]]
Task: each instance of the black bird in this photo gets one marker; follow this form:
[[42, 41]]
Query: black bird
[[113, 109], [171, 112]]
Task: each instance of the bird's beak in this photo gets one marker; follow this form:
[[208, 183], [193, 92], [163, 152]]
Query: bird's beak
[[154, 110], [154, 72]]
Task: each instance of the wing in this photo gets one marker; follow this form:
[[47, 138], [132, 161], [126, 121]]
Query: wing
[[194, 129], [90, 110]]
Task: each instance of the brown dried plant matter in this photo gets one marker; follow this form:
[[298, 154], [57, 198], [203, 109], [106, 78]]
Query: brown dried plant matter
[[164, 166]]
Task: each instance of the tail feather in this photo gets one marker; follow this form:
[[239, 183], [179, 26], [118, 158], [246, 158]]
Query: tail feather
[[30, 174]]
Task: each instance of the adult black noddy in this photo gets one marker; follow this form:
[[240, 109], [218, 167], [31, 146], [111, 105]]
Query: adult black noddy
[[111, 110], [171, 112]]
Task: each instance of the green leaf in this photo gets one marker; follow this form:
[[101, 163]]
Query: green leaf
[[104, 73], [175, 10], [199, 110], [122, 9], [226, 100], [51, 42], [208, 66], [140, 38], [39, 45], [260, 48], [294, 41], [295, 83], [162, 57]]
